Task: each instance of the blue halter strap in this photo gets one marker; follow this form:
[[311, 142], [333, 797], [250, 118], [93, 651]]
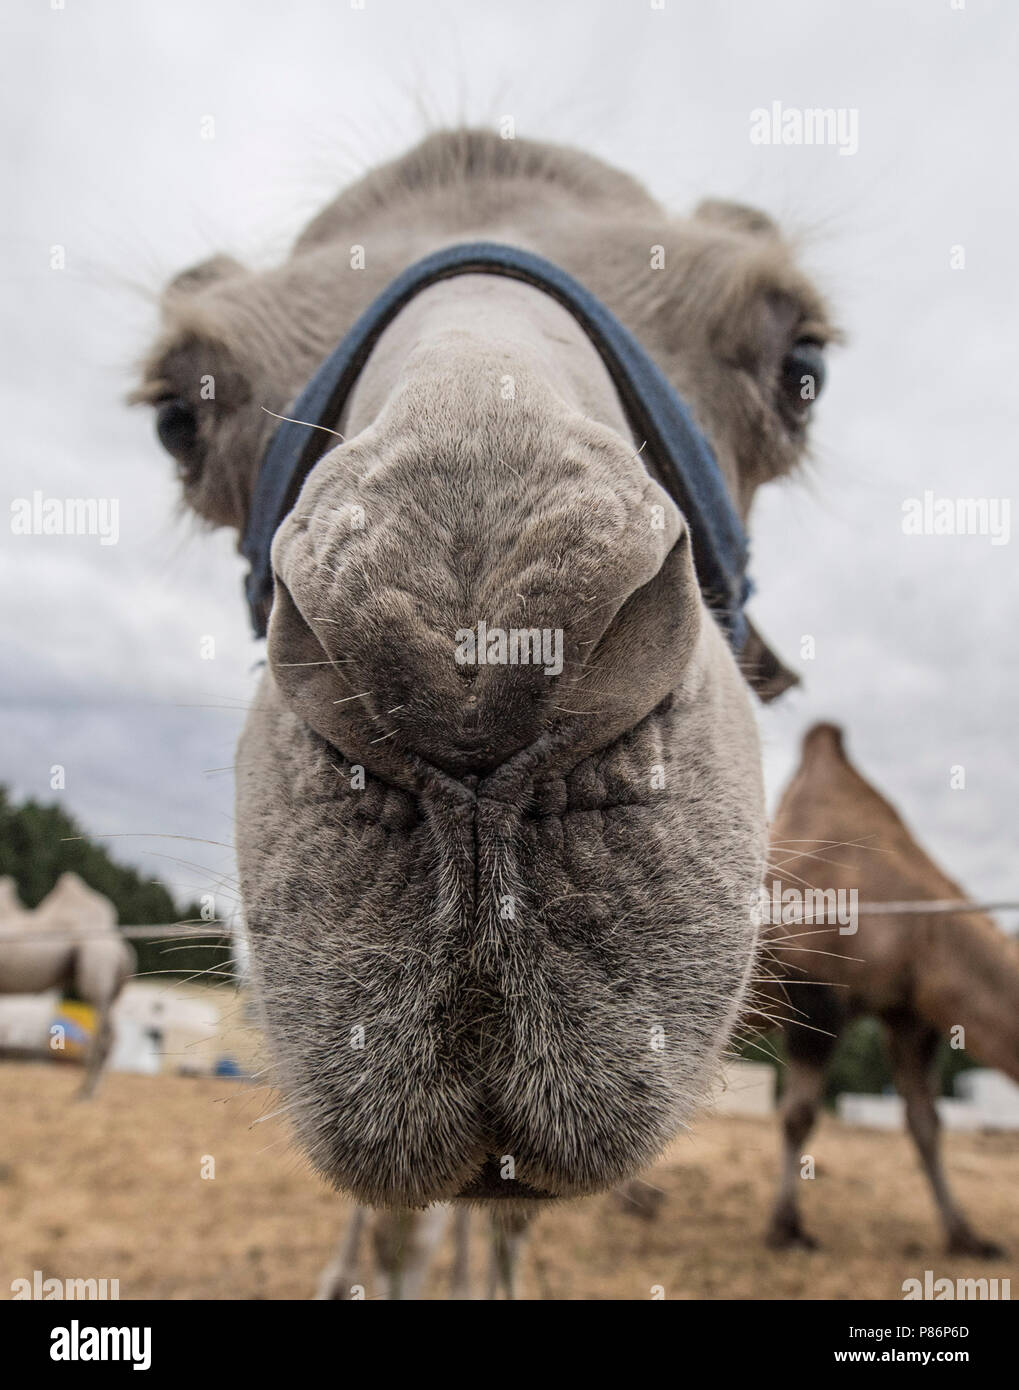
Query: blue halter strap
[[654, 408]]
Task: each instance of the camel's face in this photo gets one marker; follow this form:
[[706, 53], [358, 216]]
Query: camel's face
[[499, 801]]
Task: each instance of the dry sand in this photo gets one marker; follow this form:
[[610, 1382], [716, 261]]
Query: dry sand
[[114, 1189]]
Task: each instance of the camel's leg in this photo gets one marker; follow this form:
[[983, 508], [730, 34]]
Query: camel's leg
[[640, 1198], [342, 1275], [405, 1242], [507, 1237], [97, 1054], [102, 967], [912, 1047], [804, 1089], [460, 1284]]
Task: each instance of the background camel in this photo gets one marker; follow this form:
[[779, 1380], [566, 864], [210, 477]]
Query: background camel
[[72, 943], [921, 975], [473, 899]]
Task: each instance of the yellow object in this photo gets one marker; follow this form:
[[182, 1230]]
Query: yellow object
[[72, 1030]]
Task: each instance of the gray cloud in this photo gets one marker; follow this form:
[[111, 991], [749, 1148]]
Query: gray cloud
[[914, 635]]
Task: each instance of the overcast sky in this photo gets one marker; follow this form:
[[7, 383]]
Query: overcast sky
[[103, 108]]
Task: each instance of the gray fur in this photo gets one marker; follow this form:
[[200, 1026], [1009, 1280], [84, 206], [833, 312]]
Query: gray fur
[[540, 873]]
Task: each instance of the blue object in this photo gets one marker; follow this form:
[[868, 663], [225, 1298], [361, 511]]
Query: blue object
[[656, 411]]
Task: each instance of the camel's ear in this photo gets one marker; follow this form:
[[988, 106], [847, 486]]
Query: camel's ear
[[766, 674], [738, 216], [201, 276]]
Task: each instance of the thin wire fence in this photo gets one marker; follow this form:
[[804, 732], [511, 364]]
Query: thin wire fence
[[203, 930], [173, 931]]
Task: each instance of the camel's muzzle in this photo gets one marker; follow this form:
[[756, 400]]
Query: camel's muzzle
[[499, 912]]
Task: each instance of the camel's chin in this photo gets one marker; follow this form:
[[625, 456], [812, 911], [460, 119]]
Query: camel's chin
[[374, 1155], [532, 1093], [487, 999]]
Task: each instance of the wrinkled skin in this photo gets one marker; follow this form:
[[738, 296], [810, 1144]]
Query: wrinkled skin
[[501, 921]]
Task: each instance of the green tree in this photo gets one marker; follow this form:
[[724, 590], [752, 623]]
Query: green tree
[[859, 1062]]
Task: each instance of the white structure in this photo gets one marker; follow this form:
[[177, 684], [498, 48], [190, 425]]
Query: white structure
[[745, 1088], [25, 1021], [157, 1027], [993, 1094], [987, 1100], [175, 1026], [135, 1047]]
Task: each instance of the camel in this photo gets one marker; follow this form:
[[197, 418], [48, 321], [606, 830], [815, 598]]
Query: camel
[[921, 975], [499, 914], [70, 941]]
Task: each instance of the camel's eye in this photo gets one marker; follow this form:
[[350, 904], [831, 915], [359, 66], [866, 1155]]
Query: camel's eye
[[803, 373], [177, 427]]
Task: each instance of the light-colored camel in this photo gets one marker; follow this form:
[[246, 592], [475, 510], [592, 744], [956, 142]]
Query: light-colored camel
[[70, 941], [922, 975], [500, 924]]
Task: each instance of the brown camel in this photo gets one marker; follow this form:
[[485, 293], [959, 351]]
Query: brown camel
[[921, 975], [500, 913]]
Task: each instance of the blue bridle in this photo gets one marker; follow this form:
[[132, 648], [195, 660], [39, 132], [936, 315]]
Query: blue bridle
[[654, 408]]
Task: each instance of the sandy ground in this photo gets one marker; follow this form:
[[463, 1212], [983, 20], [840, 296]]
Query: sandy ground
[[114, 1189]]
